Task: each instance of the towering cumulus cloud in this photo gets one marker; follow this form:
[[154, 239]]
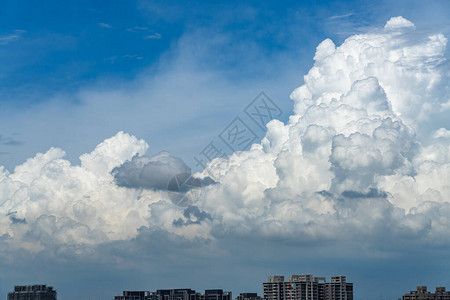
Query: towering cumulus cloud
[[359, 158], [350, 163]]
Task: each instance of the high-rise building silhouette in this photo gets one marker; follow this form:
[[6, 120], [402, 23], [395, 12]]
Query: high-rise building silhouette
[[422, 294], [307, 287], [133, 295], [216, 295], [338, 289], [32, 292], [175, 294]]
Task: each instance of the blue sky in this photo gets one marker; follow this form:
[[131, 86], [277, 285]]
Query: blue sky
[[175, 74], [52, 53]]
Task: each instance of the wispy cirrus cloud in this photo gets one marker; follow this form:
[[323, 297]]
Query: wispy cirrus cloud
[[104, 25], [133, 56], [146, 32], [11, 37], [154, 36], [137, 29], [341, 16]]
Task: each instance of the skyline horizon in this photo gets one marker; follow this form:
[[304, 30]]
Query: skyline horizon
[[259, 293]]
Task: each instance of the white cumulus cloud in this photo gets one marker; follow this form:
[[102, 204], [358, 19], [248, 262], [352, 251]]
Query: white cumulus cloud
[[348, 163], [347, 166]]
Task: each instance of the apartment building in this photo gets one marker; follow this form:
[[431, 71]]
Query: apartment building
[[422, 294], [32, 292], [307, 287], [133, 295], [175, 294]]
